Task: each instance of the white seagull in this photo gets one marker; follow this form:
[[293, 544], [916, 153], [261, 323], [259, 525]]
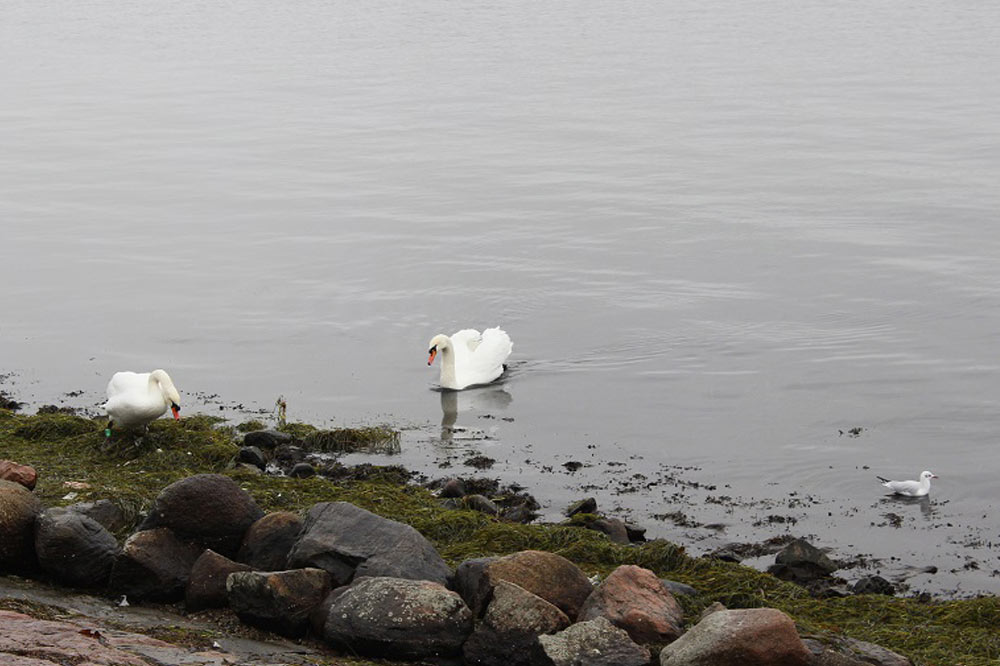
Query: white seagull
[[469, 358], [910, 488], [136, 399]]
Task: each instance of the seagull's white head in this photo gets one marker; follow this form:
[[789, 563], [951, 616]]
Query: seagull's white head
[[927, 476]]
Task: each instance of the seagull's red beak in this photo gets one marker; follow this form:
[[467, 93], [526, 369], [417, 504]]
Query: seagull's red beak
[[177, 412], [430, 359]]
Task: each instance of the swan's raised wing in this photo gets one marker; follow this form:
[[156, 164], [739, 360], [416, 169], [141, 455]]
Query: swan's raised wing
[[126, 382], [486, 362], [467, 339]]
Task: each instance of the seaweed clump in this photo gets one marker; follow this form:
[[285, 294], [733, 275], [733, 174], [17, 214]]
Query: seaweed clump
[[376, 439]]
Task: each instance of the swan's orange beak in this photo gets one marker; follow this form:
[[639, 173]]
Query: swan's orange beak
[[177, 411], [430, 359]]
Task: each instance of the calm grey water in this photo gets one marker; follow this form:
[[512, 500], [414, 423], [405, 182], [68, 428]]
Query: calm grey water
[[718, 232]]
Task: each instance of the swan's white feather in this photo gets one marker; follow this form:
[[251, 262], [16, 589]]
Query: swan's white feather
[[478, 357], [135, 400]]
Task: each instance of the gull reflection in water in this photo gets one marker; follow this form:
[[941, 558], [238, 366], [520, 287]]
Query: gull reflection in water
[[485, 401], [926, 507]]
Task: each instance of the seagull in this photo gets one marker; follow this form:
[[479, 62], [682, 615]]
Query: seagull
[[910, 488]]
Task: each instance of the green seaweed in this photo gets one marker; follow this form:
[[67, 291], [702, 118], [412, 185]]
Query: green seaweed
[[374, 439]]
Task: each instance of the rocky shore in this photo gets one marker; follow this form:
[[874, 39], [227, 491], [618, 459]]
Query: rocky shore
[[255, 529]]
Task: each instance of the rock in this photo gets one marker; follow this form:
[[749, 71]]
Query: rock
[[348, 541], [398, 618], [206, 587], [482, 504], [843, 651], [636, 533], [74, 548], [302, 470], [50, 643], [713, 607], [247, 468], [267, 439], [635, 600], [269, 540], [18, 510], [679, 588], [520, 513], [550, 576], [873, 585], [209, 509], [104, 511], [588, 505], [729, 552], [22, 474], [614, 528], [508, 634], [287, 456], [278, 601], [745, 637], [252, 455], [452, 488], [155, 565], [801, 562], [594, 643]]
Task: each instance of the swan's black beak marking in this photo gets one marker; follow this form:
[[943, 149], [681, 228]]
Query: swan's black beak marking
[[433, 352], [176, 409]]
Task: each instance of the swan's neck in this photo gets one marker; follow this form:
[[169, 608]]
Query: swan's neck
[[447, 367], [159, 385]]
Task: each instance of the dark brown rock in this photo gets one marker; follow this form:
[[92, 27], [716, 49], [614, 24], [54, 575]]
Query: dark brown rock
[[267, 439], [745, 637], [155, 565], [398, 618], [206, 586], [269, 540], [508, 634], [635, 600], [74, 549], [614, 528], [18, 510], [278, 601], [801, 562], [452, 488], [588, 505], [210, 509], [348, 541], [594, 643], [550, 576], [22, 474]]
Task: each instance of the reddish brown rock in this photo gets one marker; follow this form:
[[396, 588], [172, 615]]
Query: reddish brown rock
[[154, 564], [23, 474], [550, 576], [745, 637], [279, 601], [635, 600], [56, 643], [206, 586], [269, 540], [18, 510]]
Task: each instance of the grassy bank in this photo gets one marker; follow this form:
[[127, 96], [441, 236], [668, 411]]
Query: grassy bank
[[75, 463]]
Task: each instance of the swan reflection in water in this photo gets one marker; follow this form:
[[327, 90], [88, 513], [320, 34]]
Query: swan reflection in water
[[486, 401], [927, 508]]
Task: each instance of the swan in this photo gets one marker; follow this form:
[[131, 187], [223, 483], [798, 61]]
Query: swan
[[135, 399], [469, 358], [910, 488]]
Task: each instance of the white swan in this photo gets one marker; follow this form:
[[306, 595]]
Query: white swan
[[135, 399], [910, 488], [469, 358]]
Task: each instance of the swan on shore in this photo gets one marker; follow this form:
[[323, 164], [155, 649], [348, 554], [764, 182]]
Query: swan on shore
[[470, 358], [136, 399]]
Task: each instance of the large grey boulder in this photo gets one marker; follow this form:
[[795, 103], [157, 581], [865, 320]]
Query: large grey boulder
[[744, 637], [801, 562], [279, 601], [508, 633], [74, 549], [210, 509], [349, 542], [635, 600], [155, 565], [18, 510], [104, 511], [550, 576], [594, 643], [398, 618], [269, 540]]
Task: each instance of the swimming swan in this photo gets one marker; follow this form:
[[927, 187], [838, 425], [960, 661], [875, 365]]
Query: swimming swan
[[469, 358], [135, 399]]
